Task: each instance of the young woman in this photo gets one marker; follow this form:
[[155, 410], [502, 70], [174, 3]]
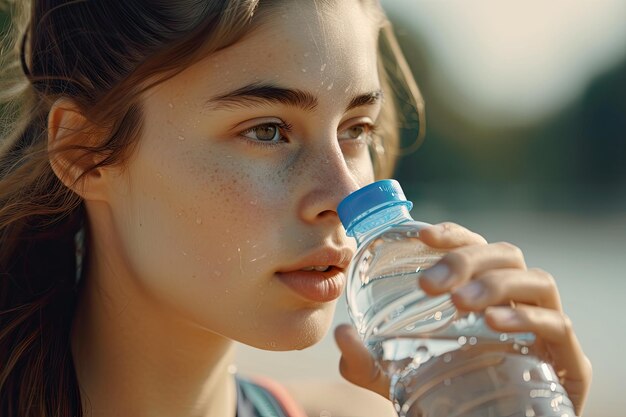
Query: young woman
[[170, 188]]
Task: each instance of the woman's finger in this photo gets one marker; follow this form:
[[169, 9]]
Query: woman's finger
[[461, 264], [501, 286], [357, 365], [555, 331], [449, 236]]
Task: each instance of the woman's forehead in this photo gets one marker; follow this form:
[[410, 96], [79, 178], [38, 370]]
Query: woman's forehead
[[299, 46]]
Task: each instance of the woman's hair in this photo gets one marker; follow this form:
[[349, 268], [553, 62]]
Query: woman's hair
[[101, 55]]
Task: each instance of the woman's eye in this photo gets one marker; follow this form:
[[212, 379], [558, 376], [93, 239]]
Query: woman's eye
[[268, 132], [357, 132]]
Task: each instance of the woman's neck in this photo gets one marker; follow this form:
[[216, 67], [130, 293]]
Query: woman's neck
[[135, 357]]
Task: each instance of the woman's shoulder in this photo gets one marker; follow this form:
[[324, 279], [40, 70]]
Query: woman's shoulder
[[323, 398]]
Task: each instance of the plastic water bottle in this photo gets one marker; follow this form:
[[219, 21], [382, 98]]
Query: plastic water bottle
[[441, 363]]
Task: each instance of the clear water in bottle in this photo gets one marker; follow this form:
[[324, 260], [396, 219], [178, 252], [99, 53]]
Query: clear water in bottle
[[441, 362]]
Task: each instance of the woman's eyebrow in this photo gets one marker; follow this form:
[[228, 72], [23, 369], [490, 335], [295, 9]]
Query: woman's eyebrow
[[259, 94]]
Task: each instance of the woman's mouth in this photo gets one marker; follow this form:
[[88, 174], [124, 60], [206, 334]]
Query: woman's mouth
[[321, 284]]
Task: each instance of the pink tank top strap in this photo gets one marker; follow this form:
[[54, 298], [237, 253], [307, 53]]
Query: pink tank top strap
[[282, 396]]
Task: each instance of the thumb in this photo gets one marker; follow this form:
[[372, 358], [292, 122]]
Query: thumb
[[357, 365]]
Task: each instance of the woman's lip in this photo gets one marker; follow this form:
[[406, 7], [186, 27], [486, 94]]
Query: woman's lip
[[316, 286]]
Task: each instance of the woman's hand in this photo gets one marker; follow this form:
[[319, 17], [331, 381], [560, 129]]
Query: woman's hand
[[490, 278]]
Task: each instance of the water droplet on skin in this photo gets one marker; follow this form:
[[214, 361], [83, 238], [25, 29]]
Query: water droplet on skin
[[217, 273], [437, 314], [181, 138], [198, 220], [306, 54], [303, 69], [330, 87], [184, 253], [170, 105], [323, 67]]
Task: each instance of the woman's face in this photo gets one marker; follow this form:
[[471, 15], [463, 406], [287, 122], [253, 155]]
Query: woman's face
[[229, 199]]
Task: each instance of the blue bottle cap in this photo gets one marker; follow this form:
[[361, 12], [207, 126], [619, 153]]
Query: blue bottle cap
[[371, 198]]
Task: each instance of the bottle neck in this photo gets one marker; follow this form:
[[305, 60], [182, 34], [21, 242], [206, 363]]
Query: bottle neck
[[370, 224]]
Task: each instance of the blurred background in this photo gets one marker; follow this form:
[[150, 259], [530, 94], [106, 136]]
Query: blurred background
[[525, 142]]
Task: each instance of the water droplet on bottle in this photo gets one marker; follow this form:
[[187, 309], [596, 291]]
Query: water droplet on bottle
[[438, 315], [503, 337], [553, 387], [462, 340], [447, 358], [526, 376], [473, 340], [529, 411], [524, 350], [410, 327], [447, 382]]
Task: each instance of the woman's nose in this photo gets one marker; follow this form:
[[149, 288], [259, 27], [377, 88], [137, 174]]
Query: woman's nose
[[330, 181]]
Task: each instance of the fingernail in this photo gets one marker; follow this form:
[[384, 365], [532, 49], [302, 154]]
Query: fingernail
[[437, 275], [471, 292], [504, 315]]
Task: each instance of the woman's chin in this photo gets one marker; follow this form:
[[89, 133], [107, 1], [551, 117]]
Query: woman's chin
[[294, 336]]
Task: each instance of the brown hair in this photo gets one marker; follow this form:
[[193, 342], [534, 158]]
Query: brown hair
[[100, 55]]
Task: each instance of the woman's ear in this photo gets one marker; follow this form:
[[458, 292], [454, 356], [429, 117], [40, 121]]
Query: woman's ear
[[70, 135]]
